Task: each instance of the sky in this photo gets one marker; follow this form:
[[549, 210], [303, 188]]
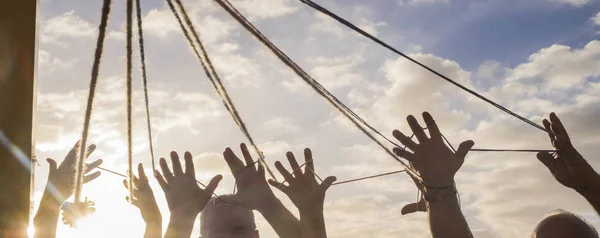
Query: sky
[[534, 57]]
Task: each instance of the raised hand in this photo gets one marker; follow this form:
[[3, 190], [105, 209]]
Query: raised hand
[[303, 189], [60, 178], [431, 158], [436, 165], [143, 198], [184, 197], [567, 165], [59, 187], [253, 192]]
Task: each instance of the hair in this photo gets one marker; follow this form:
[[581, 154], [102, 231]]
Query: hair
[[560, 212], [211, 206]]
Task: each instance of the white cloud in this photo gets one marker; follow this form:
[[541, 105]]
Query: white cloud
[[559, 66], [68, 24], [48, 63], [596, 18], [265, 9], [576, 3]]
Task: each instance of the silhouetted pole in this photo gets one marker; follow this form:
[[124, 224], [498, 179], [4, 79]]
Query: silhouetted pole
[[18, 51]]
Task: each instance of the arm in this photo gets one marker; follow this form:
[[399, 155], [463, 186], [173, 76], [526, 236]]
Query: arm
[[255, 194], [145, 201], [58, 188], [184, 197], [435, 166], [306, 193], [567, 166]]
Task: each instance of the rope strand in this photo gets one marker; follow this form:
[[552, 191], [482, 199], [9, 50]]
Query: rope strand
[[129, 92], [144, 78], [376, 40], [213, 76], [90, 101], [353, 117]]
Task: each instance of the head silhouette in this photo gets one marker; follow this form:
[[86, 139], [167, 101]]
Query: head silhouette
[[563, 224], [223, 220]]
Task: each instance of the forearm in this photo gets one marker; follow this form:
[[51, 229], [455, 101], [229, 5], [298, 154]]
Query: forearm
[[180, 227], [312, 225], [446, 219], [281, 219], [46, 218], [153, 230], [592, 195]]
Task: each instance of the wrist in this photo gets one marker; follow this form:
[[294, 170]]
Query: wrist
[[591, 189], [269, 205]]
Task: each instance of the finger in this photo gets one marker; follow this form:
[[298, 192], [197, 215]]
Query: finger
[[413, 207], [234, 163], [282, 187], [284, 172], [546, 159], [52, 166], [549, 129], [132, 201], [558, 127], [294, 164], [91, 166], [161, 181], [189, 165], [261, 171], [141, 173], [308, 159], [73, 153], [126, 185], [165, 170], [212, 185], [328, 182], [177, 170], [434, 131], [416, 129], [90, 177], [463, 149], [405, 140], [247, 156], [404, 154], [90, 150]]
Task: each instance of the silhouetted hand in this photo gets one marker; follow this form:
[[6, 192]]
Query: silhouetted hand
[[143, 198], [433, 161], [567, 166], [60, 178], [184, 197], [303, 189], [253, 191]]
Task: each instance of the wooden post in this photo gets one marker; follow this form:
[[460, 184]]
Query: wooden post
[[18, 51]]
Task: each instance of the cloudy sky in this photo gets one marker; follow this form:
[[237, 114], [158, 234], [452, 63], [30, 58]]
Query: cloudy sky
[[533, 56]]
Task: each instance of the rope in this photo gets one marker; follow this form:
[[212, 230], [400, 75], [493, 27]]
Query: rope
[[375, 39], [369, 177], [129, 92], [144, 79], [213, 76], [347, 112], [90, 102]]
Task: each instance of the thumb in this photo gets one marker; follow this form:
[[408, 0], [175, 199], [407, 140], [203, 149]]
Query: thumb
[[328, 182], [212, 185], [463, 149], [413, 207], [53, 165], [546, 159]]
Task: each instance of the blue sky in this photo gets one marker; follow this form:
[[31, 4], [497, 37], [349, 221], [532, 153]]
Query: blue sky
[[532, 56]]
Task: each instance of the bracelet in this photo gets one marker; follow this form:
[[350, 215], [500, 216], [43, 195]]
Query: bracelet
[[436, 198]]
